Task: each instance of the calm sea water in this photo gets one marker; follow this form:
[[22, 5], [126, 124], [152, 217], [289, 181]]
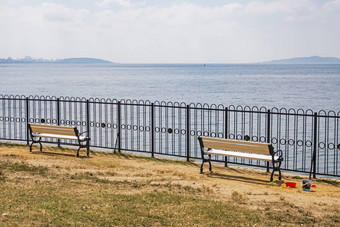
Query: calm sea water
[[313, 87]]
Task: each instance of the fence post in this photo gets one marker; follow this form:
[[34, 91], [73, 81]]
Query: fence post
[[188, 133], [27, 121], [58, 116], [226, 133], [119, 126], [313, 163], [152, 131], [268, 133], [88, 120]]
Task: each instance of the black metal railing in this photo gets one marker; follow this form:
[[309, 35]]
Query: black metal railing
[[309, 140]]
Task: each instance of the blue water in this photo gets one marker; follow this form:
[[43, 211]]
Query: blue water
[[313, 87]]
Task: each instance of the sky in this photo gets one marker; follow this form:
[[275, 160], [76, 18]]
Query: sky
[[178, 31]]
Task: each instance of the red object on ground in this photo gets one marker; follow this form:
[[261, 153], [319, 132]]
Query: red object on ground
[[291, 184], [313, 186]]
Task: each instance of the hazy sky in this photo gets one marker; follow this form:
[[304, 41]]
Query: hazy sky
[[164, 31]]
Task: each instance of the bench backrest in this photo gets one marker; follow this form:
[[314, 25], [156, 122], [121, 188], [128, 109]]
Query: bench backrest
[[236, 145], [53, 129]]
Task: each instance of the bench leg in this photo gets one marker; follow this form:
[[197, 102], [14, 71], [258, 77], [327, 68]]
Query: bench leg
[[280, 174], [276, 168], [88, 148], [272, 175], [203, 161], [202, 166], [31, 146], [36, 141], [78, 152], [206, 160], [267, 167]]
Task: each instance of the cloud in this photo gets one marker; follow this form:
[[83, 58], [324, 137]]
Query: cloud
[[279, 6], [57, 12], [332, 5], [122, 3], [184, 32]]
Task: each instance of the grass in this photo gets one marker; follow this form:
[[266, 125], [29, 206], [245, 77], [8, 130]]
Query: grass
[[23, 167], [161, 160], [84, 199], [52, 206], [5, 144], [2, 177], [70, 192], [329, 181], [297, 177]]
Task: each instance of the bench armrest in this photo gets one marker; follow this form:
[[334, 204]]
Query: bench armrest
[[278, 153], [86, 132]]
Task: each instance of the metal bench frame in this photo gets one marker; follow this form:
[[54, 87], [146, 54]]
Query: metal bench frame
[[242, 149], [38, 131]]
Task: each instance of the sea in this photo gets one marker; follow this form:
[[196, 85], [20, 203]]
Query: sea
[[315, 87]]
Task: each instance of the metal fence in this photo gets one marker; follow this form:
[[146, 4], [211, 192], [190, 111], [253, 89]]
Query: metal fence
[[309, 140]]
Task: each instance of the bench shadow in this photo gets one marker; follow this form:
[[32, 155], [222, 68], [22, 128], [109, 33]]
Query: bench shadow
[[244, 179], [57, 154]]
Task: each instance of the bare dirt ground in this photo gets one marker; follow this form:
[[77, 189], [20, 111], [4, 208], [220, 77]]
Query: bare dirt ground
[[247, 187]]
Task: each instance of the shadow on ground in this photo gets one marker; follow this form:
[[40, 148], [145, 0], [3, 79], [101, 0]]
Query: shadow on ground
[[244, 179]]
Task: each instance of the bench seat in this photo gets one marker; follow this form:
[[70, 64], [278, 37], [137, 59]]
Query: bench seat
[[56, 136], [236, 154]]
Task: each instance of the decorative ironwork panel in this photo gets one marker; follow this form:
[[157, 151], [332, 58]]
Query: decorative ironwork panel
[[135, 125], [170, 128], [310, 141], [12, 117]]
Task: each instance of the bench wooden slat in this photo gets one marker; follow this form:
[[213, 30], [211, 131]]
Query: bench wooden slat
[[67, 131], [243, 146], [232, 141], [56, 136], [50, 126]]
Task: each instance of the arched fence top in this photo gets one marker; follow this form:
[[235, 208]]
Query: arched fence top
[[331, 113], [247, 108], [262, 109], [206, 105], [291, 111]]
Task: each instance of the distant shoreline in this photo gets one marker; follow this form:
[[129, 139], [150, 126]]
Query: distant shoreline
[[29, 60], [314, 60], [306, 60]]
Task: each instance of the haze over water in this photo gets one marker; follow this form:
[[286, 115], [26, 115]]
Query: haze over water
[[313, 87]]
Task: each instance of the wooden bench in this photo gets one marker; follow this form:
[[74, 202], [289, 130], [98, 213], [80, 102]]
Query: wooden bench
[[38, 131], [240, 149]]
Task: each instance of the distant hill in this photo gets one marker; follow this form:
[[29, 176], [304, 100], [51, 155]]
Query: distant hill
[[82, 61], [28, 59], [306, 60]]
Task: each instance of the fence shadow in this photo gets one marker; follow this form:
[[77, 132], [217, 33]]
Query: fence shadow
[[244, 179], [49, 153]]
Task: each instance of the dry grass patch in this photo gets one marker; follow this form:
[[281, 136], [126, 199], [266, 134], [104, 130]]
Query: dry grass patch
[[56, 188]]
